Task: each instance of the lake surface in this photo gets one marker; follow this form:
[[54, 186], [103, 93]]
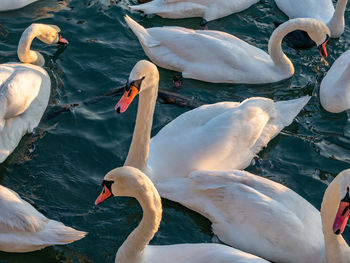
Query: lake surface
[[59, 168]]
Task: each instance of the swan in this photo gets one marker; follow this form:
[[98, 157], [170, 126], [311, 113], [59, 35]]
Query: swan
[[208, 10], [24, 229], [220, 136], [131, 182], [335, 86], [25, 88], [322, 10], [215, 56], [265, 218], [7, 5]]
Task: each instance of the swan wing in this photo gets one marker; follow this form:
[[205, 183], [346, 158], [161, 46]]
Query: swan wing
[[219, 136], [198, 253], [17, 214], [24, 229], [17, 90], [251, 213]]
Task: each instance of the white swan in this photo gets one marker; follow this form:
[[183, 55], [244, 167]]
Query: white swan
[[209, 9], [7, 5], [265, 218], [335, 87], [24, 88], [322, 10], [131, 182], [24, 229], [215, 56], [220, 136]]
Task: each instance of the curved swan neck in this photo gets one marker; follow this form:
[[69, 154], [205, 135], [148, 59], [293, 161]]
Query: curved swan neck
[[139, 148], [25, 54], [337, 23], [133, 247], [275, 45], [337, 250]]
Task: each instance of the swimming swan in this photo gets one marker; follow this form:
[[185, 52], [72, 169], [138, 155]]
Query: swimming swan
[[24, 88], [24, 229], [220, 136], [131, 182], [215, 56]]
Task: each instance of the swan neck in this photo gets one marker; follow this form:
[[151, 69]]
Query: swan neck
[[337, 24], [275, 47], [337, 250], [139, 148], [25, 54], [133, 247]]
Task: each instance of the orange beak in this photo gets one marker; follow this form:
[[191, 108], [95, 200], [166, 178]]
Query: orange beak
[[341, 218], [126, 99], [105, 194], [322, 49], [62, 40]]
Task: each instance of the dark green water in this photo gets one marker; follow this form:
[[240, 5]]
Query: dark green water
[[61, 166]]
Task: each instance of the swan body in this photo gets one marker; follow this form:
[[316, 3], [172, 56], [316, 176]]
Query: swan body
[[208, 9], [322, 10], [220, 136], [24, 89], [335, 87], [252, 213], [7, 5], [263, 217], [24, 229], [130, 181], [218, 57]]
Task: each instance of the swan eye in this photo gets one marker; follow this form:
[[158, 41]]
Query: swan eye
[[107, 184], [327, 39], [347, 196]]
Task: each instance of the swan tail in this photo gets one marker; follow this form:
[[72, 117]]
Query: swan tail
[[144, 37], [288, 110], [57, 233]]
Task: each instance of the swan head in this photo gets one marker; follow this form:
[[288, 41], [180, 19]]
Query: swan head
[[49, 34], [143, 77], [124, 181], [342, 182], [320, 34]]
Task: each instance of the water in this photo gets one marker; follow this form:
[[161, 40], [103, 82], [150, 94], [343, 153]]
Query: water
[[60, 167]]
